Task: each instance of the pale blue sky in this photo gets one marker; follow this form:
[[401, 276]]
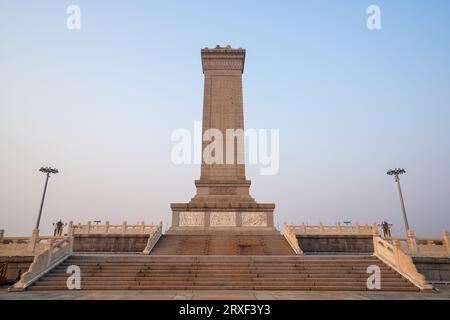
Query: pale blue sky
[[101, 103]]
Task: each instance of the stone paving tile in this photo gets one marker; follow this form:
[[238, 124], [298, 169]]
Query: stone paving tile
[[183, 296], [224, 295], [307, 295], [127, 295]]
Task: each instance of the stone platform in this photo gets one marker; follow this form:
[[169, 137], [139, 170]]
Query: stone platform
[[220, 218], [222, 245]]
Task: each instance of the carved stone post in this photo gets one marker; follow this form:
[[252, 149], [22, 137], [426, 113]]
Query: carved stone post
[[338, 227], [446, 237], [71, 241], [71, 229], [412, 242], [50, 253], [142, 226], [303, 227], [89, 227], [33, 240], [124, 227], [375, 240], [396, 245], [375, 229], [2, 234], [358, 229], [322, 230], [107, 227]]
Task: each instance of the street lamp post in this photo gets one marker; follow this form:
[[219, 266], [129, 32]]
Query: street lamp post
[[47, 171], [396, 173]]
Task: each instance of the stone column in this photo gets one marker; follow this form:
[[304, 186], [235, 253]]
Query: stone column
[[2, 234], [223, 107]]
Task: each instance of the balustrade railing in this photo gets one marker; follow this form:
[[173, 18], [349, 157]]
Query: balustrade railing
[[414, 246], [153, 239], [44, 262], [26, 245], [108, 228], [336, 229], [397, 259], [290, 235]]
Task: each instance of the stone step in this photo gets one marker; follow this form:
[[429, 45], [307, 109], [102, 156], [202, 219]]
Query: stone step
[[138, 272], [218, 263], [223, 269], [218, 283], [223, 258], [113, 276], [240, 287]]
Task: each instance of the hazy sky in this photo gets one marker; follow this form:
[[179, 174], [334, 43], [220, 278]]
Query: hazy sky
[[100, 104]]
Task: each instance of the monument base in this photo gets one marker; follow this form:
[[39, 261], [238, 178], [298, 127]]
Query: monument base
[[222, 218]]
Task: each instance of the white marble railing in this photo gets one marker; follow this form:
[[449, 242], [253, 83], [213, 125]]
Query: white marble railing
[[393, 255], [426, 247], [44, 262], [336, 229], [290, 235], [107, 228], [26, 245], [153, 239]]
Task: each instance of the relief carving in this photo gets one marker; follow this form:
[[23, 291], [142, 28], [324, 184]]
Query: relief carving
[[222, 190], [192, 219], [223, 219], [254, 219]]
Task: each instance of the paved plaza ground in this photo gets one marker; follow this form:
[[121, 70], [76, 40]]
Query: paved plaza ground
[[443, 293]]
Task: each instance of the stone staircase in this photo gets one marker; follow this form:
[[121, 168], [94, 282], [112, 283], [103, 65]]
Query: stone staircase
[[206, 272], [222, 245]]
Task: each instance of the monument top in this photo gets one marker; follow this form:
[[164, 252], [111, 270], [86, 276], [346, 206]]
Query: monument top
[[223, 58]]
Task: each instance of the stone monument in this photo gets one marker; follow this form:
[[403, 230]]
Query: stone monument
[[223, 202]]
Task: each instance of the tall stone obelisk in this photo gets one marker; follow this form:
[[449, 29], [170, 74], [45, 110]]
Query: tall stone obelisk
[[223, 202]]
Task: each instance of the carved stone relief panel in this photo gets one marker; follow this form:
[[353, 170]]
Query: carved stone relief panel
[[192, 219], [223, 219], [254, 219]]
